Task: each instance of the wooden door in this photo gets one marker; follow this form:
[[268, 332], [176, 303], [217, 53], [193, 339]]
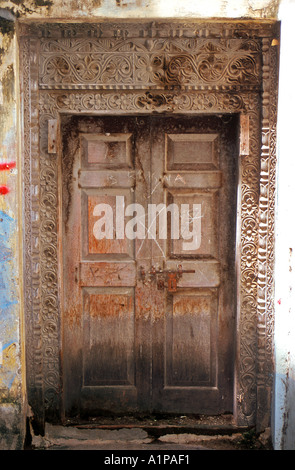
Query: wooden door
[[195, 160], [148, 318]]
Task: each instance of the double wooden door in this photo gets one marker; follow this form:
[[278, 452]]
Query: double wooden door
[[148, 212]]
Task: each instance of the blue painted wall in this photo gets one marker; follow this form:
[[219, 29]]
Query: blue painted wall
[[8, 325]]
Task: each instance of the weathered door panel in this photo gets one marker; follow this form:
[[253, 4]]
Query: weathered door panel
[[193, 336], [105, 357], [136, 338]]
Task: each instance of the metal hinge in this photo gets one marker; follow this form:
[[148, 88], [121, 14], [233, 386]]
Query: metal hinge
[[52, 135], [244, 135]]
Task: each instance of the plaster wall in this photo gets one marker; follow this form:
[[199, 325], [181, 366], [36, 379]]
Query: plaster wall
[[11, 383], [284, 395], [12, 370], [142, 8]]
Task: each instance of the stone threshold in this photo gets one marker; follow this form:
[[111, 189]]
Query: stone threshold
[[136, 437], [157, 431]]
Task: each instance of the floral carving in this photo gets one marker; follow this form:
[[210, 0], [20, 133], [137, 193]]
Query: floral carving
[[212, 69], [149, 69], [149, 62]]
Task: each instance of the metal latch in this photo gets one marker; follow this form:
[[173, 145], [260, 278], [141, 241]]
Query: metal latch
[[165, 278]]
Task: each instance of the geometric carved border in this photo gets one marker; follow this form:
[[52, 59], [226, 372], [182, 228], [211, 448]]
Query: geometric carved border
[[241, 70]]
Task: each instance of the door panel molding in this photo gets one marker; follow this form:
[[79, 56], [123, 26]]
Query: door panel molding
[[60, 75]]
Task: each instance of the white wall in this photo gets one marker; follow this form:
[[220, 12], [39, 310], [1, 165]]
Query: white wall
[[284, 394], [143, 8]]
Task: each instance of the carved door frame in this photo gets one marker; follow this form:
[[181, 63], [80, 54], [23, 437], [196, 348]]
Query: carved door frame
[[175, 67]]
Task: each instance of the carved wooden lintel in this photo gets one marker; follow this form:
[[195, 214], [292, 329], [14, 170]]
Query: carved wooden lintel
[[167, 29]]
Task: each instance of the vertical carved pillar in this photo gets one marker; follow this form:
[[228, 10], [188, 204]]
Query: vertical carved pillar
[[49, 272], [266, 236], [32, 285], [246, 372]]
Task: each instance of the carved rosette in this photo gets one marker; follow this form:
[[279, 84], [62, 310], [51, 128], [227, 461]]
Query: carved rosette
[[213, 68]]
